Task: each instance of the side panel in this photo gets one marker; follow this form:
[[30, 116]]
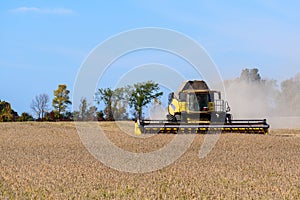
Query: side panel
[[174, 107], [182, 106]]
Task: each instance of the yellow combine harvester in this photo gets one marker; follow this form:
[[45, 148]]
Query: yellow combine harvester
[[197, 109]]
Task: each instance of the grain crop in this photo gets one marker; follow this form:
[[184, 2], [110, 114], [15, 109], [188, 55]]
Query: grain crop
[[42, 160]]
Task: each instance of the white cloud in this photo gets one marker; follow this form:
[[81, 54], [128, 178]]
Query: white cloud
[[26, 9], [61, 11]]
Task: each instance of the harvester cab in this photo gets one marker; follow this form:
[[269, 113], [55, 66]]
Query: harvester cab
[[195, 102], [194, 108]]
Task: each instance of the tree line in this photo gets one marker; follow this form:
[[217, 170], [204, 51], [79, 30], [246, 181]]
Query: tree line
[[118, 103], [249, 95]]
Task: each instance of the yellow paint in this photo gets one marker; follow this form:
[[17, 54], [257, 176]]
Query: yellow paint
[[174, 107], [182, 106], [211, 106], [137, 129]]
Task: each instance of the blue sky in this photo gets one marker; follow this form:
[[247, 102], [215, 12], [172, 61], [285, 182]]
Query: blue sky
[[44, 43]]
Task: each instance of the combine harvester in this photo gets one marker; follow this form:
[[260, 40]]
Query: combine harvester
[[197, 109]]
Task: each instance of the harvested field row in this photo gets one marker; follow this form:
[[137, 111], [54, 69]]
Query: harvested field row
[[48, 160]]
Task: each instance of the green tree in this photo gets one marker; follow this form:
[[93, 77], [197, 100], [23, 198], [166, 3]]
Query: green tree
[[120, 102], [92, 113], [86, 112], [7, 114], [25, 117], [100, 115], [61, 100], [106, 95], [51, 116], [115, 101], [250, 75], [141, 95], [83, 109]]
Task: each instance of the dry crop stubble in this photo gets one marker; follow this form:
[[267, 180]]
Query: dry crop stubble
[[40, 160]]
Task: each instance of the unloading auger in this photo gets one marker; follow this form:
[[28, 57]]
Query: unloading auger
[[197, 109]]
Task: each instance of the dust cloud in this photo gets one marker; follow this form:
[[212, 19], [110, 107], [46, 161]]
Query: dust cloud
[[157, 111], [251, 97]]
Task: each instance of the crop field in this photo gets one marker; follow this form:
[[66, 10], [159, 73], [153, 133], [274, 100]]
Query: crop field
[[49, 161]]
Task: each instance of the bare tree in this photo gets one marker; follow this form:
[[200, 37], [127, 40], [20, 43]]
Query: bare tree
[[39, 105]]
